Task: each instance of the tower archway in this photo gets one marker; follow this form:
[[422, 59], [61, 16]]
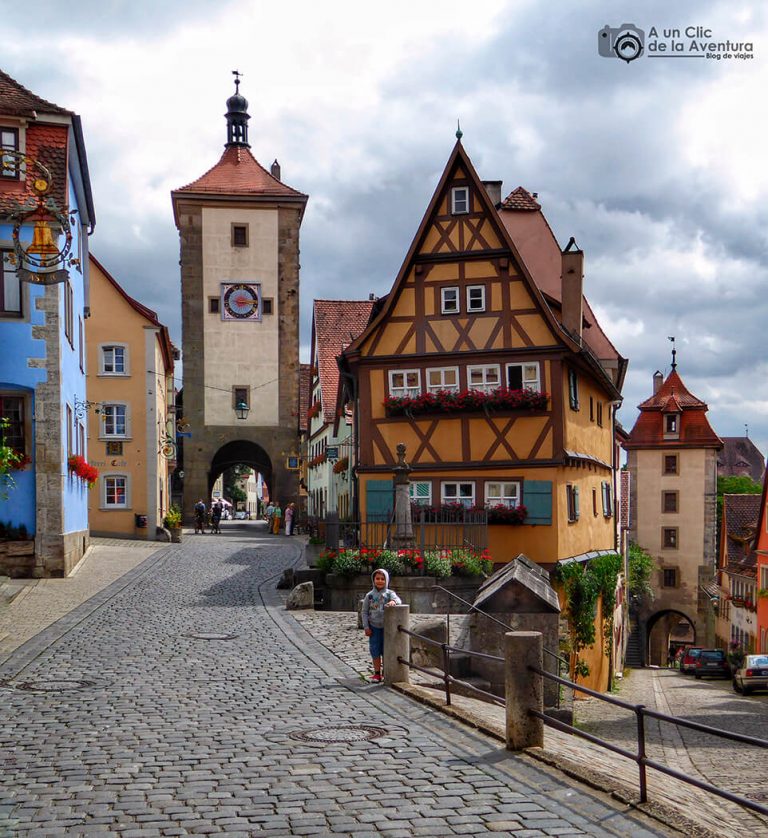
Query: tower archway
[[664, 629], [240, 452]]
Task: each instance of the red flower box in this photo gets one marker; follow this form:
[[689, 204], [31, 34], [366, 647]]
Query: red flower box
[[466, 401], [82, 470]]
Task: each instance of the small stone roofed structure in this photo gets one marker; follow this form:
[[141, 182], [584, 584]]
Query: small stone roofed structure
[[520, 595]]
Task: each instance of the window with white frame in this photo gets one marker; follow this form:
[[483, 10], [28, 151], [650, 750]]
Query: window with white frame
[[459, 200], [572, 502], [405, 383], [607, 498], [764, 578], [10, 287], [115, 491], [114, 359], [443, 378], [476, 298], [503, 493], [114, 419], [449, 300], [486, 378], [455, 492], [9, 141], [420, 492], [524, 376]]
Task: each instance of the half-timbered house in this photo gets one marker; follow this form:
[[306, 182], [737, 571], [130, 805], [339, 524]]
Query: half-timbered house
[[487, 362]]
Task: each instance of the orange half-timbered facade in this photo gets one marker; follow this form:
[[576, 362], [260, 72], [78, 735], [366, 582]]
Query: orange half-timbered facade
[[489, 382]]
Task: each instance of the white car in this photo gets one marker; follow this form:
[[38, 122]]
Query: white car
[[240, 515], [752, 675]]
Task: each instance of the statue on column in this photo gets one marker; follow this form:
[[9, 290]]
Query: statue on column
[[403, 533]]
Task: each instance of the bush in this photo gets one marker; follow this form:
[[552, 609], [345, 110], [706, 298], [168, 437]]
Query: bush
[[442, 563], [172, 518], [437, 563]]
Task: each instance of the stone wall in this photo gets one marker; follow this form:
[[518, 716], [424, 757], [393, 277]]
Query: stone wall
[[343, 593]]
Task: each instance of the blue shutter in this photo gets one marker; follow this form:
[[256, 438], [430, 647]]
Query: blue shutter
[[379, 499], [537, 498]]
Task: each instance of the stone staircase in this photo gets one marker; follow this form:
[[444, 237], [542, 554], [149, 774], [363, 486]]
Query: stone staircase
[[634, 654]]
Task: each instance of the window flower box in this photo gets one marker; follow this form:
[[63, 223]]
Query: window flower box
[[466, 401], [500, 513], [318, 460], [83, 470], [313, 411]]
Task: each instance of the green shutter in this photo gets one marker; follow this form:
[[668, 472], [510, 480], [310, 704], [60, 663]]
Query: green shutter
[[537, 499], [379, 498]]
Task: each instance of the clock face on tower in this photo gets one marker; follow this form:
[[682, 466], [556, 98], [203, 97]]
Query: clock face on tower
[[240, 301]]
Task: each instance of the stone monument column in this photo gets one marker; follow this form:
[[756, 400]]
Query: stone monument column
[[403, 536]]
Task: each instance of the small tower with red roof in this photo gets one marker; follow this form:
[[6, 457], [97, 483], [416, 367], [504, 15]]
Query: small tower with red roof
[[239, 233], [672, 458]]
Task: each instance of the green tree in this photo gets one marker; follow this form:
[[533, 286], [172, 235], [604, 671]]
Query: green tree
[[737, 485], [641, 566]]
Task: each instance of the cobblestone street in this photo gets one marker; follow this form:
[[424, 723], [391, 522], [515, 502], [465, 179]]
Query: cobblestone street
[[127, 725]]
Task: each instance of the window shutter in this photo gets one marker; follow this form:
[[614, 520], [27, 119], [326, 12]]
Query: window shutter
[[537, 499], [379, 500]]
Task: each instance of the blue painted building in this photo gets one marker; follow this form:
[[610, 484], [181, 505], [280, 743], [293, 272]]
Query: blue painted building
[[42, 333]]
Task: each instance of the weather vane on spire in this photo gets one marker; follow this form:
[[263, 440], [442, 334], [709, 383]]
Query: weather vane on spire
[[459, 132], [674, 353], [237, 74]]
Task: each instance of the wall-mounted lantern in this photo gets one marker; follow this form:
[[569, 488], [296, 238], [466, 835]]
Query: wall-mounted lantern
[[241, 410]]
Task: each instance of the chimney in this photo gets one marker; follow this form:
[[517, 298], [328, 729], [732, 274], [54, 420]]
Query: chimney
[[275, 170], [493, 188], [371, 297], [572, 288], [658, 380]]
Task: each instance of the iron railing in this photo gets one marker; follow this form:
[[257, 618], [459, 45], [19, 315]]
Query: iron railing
[[640, 711]]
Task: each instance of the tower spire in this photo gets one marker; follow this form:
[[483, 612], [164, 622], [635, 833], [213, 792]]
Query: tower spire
[[237, 116], [674, 353]]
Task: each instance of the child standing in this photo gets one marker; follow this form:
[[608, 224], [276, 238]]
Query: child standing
[[376, 600]]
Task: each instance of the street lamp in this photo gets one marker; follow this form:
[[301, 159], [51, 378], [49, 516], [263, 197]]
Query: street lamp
[[241, 409]]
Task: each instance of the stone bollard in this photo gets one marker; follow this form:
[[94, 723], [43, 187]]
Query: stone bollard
[[523, 689], [396, 644]]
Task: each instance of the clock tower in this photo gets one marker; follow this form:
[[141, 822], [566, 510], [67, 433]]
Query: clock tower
[[239, 241]]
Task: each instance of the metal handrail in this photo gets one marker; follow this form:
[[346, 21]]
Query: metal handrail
[[642, 760]]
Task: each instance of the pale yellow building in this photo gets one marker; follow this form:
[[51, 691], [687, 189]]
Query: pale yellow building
[[131, 425]]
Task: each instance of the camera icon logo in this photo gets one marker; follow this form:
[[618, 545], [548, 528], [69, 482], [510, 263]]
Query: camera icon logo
[[625, 42]]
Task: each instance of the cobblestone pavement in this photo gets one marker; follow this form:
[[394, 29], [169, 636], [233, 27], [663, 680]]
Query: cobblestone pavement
[[734, 766], [727, 764], [128, 726], [38, 603]]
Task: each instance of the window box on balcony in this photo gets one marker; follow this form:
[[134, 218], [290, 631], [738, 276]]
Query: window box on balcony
[[466, 401]]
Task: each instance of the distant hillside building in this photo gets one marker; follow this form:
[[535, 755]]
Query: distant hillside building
[[740, 457], [672, 460]]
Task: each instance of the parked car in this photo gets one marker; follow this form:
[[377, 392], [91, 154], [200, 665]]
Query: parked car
[[753, 674], [712, 662], [688, 663], [240, 515]]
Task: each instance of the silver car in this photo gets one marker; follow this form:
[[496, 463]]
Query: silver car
[[753, 674]]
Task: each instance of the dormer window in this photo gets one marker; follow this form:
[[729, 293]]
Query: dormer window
[[459, 200], [9, 141], [671, 424]]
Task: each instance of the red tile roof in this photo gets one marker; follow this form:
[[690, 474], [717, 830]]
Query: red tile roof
[[695, 430], [16, 100], [239, 173], [673, 386], [740, 514], [520, 199], [336, 324]]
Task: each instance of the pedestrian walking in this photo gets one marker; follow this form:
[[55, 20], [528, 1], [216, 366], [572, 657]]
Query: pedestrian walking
[[216, 512], [268, 515], [376, 600], [289, 513], [277, 514], [200, 517]]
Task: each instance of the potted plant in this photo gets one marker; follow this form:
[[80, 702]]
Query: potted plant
[[172, 522]]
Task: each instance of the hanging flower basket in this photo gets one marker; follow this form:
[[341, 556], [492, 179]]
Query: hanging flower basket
[[82, 470], [318, 460], [466, 401], [341, 466]]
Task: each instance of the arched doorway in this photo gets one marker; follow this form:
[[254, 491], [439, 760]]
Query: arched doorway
[[665, 629], [240, 452], [244, 465]]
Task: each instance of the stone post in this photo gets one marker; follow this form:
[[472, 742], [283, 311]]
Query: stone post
[[396, 644], [403, 537], [523, 689]]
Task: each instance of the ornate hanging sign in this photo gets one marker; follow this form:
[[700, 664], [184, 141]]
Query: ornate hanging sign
[[45, 260], [240, 301]]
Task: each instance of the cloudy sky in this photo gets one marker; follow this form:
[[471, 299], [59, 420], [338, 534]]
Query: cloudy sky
[[656, 166]]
